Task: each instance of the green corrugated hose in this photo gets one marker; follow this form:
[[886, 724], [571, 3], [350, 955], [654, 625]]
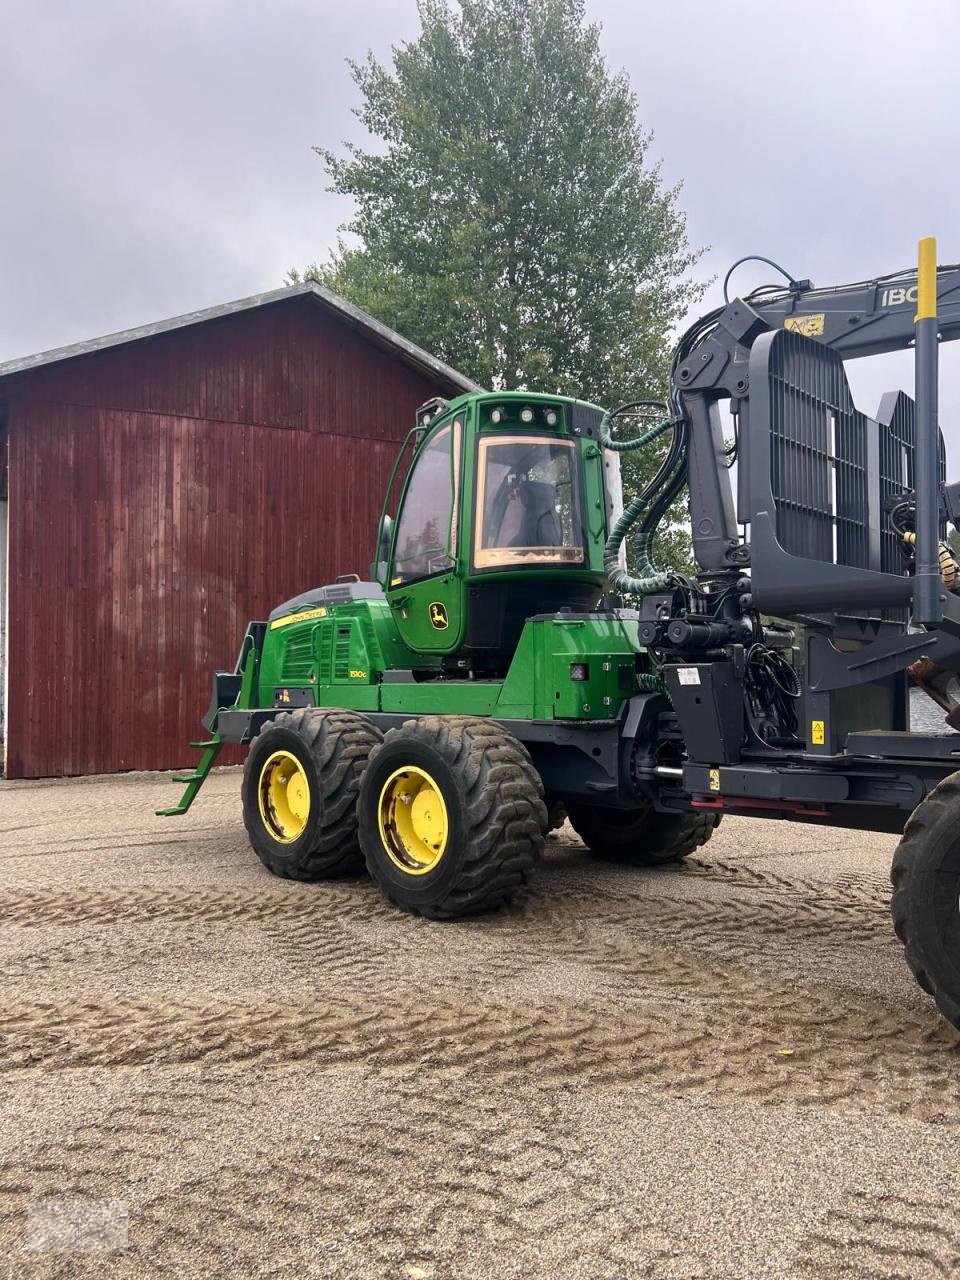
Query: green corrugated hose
[[652, 581], [648, 682]]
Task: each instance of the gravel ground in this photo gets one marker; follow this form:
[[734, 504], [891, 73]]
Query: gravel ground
[[721, 1070]]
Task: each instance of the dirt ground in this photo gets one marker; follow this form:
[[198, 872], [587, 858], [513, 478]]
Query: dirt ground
[[723, 1070]]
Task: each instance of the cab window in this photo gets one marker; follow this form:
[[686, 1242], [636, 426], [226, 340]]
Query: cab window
[[528, 503], [423, 539]]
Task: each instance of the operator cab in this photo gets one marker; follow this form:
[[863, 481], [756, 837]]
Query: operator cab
[[492, 524]]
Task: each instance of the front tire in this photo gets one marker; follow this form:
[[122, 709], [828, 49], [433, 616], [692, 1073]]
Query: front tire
[[300, 786], [452, 816], [926, 895], [639, 837]]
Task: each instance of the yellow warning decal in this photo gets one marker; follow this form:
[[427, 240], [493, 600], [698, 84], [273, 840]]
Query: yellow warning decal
[[305, 615], [808, 326], [817, 735], [714, 779]]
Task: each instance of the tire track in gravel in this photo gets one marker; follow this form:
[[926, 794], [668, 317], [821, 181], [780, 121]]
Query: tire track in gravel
[[809, 905], [864, 1056], [326, 927], [750, 877], [885, 1237], [353, 951], [30, 907], [404, 1185], [764, 916], [618, 944]]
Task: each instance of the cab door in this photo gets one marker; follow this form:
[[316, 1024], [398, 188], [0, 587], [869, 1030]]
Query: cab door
[[423, 588]]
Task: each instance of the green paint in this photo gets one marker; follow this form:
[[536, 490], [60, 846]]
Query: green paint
[[540, 685], [342, 657], [193, 781]]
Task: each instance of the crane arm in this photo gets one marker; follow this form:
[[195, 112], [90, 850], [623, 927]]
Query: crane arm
[[867, 318], [714, 359]]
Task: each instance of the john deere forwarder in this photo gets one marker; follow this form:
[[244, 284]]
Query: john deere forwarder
[[424, 723]]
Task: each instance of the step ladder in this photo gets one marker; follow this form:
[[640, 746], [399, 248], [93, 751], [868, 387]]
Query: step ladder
[[192, 782]]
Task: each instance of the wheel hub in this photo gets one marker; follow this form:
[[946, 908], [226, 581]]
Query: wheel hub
[[284, 795], [413, 821]]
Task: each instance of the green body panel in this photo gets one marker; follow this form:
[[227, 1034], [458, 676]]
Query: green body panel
[[539, 686], [340, 659], [338, 652], [415, 608], [442, 697]]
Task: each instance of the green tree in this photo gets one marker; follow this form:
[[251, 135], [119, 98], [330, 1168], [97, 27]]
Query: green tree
[[510, 220]]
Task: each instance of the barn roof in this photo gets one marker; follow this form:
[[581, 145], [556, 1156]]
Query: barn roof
[[378, 333]]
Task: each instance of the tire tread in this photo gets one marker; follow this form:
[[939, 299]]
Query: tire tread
[[941, 805], [340, 743], [503, 801]]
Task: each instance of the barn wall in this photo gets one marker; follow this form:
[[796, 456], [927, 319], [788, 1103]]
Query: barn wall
[[144, 537]]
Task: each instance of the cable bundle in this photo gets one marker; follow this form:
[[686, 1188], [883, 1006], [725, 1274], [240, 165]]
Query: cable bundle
[[773, 683]]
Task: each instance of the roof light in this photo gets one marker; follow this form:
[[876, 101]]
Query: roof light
[[526, 415], [550, 417], [496, 416]]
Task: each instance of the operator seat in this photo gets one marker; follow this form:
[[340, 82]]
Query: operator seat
[[539, 525]]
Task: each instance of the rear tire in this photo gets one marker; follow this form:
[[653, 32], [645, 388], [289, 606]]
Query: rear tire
[[926, 895], [639, 837], [452, 817], [300, 786]]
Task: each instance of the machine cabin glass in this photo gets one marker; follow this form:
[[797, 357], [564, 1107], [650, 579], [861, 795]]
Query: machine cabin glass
[[425, 539], [529, 503]]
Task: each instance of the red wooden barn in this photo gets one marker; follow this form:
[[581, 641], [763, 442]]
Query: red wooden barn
[[166, 485]]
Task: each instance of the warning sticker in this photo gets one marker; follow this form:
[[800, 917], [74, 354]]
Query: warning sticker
[[688, 675], [810, 326], [714, 779], [817, 735]]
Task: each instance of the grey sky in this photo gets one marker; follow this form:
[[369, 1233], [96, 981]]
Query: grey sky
[[156, 156]]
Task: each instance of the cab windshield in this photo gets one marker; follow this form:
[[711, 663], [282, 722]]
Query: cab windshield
[[529, 507]]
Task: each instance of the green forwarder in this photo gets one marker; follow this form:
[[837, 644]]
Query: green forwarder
[[480, 679]]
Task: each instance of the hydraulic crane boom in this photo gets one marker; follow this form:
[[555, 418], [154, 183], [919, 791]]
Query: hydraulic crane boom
[[725, 352], [867, 318]]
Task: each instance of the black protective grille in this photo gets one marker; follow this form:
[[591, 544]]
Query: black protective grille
[[898, 437], [818, 456]]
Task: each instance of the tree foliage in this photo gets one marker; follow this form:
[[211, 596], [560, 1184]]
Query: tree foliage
[[510, 222]]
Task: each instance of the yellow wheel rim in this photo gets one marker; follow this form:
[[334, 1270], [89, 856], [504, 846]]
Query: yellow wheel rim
[[284, 795], [413, 820]]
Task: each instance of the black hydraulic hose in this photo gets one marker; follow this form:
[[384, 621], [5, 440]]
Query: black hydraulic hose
[[648, 530]]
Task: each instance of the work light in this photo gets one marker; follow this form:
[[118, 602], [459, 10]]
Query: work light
[[550, 417], [526, 415]]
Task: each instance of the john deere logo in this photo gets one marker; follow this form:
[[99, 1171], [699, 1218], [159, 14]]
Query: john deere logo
[[438, 616]]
